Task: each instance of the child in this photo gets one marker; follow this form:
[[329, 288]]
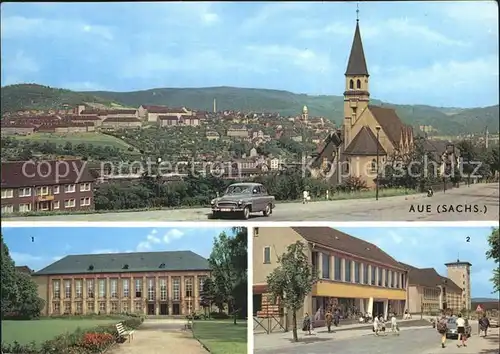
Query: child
[[394, 324]]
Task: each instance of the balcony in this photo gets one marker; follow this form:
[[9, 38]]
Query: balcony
[[45, 198]]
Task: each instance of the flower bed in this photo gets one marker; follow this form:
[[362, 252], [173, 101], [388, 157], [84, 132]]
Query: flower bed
[[89, 341]]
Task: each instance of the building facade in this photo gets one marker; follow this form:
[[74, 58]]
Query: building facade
[[354, 276], [431, 293], [459, 273], [29, 186], [152, 283]]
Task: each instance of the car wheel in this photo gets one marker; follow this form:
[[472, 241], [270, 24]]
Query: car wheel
[[246, 213], [215, 215], [268, 210]]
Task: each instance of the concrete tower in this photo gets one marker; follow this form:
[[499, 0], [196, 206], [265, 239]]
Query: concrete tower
[[356, 94], [459, 273]]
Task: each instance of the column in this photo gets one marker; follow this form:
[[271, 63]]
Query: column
[[108, 295], [196, 292], [389, 278], [361, 275], [50, 296], [144, 295], [375, 269], [131, 294], [384, 276], [84, 296], [169, 294], [61, 295], [73, 295], [183, 309], [353, 275], [332, 267], [370, 307], [96, 295], [386, 308], [157, 295], [320, 264]]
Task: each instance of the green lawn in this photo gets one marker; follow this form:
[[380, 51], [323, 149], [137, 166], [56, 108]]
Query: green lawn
[[222, 337], [42, 330], [93, 138]]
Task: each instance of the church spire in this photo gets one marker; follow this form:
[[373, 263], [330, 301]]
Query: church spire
[[357, 63]]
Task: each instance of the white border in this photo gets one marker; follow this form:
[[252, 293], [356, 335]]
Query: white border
[[250, 291], [250, 224]]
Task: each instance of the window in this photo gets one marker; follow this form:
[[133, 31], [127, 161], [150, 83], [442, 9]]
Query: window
[[85, 201], [90, 307], [56, 308], [365, 273], [126, 289], [67, 289], [79, 308], [67, 308], [84, 187], [189, 306], [348, 276], [102, 288], [403, 281], [385, 273], [42, 191], [398, 278], [56, 289], [114, 307], [114, 288], [138, 307], [78, 289], [373, 167], [102, 306], [188, 286], [25, 192], [176, 288], [393, 278], [338, 268], [358, 83], [56, 204], [351, 84], [380, 275], [374, 275], [69, 188], [24, 208], [201, 281], [151, 289], [56, 189], [326, 266], [267, 255], [90, 288], [357, 273], [163, 289], [124, 307], [7, 193], [69, 203], [138, 288], [7, 209]]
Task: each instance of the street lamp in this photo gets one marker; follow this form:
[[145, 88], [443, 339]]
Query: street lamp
[[378, 152]]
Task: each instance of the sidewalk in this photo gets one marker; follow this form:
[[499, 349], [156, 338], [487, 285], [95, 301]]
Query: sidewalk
[[475, 345], [320, 334]]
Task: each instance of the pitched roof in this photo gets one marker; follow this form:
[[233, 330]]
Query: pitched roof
[[122, 120], [24, 269], [365, 143], [127, 262], [43, 173], [389, 121], [428, 277], [342, 242], [357, 63]]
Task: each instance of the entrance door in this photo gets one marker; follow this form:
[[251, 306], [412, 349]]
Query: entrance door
[[378, 308], [151, 309], [163, 309], [176, 309]]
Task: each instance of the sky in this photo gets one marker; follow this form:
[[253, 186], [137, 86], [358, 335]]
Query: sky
[[434, 53], [433, 247], [51, 244]]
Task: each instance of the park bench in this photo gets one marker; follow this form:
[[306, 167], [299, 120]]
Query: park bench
[[123, 333]]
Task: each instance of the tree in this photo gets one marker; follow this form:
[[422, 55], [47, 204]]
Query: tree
[[30, 305], [228, 262], [10, 293], [292, 280], [494, 253], [207, 295]]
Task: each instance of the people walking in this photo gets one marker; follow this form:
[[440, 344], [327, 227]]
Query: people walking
[[376, 324], [394, 324], [306, 324], [442, 328], [329, 320], [484, 324], [462, 337]]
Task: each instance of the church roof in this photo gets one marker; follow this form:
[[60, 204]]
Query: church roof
[[365, 143], [389, 121], [357, 63]]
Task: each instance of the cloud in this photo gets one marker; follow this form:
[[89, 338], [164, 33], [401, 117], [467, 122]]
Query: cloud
[[19, 26], [149, 242], [84, 86], [473, 12], [270, 12], [172, 235], [24, 258]]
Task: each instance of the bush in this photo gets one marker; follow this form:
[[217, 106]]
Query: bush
[[96, 342], [219, 315]]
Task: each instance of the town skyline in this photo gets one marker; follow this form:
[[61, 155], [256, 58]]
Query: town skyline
[[291, 57]]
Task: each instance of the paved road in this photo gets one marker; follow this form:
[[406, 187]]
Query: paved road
[[415, 341], [483, 196]]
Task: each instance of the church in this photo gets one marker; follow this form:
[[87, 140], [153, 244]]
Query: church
[[369, 133]]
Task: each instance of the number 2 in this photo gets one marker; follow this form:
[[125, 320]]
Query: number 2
[[467, 239]]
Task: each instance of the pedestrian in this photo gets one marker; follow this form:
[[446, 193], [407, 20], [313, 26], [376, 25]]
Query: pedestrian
[[376, 325], [442, 328], [462, 337], [306, 324], [336, 318], [484, 324], [305, 197], [394, 324], [329, 320]]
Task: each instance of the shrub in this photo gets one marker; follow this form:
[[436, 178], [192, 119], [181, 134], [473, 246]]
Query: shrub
[[19, 348], [96, 342], [219, 315]]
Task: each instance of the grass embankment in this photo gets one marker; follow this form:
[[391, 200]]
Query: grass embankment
[[222, 336]]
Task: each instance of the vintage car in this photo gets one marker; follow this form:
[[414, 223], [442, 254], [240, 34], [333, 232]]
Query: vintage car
[[244, 199], [451, 331]]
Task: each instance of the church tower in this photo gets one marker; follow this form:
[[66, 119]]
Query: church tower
[[305, 114], [356, 94]]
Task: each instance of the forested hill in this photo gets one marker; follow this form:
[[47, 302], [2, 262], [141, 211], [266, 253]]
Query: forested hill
[[448, 121]]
